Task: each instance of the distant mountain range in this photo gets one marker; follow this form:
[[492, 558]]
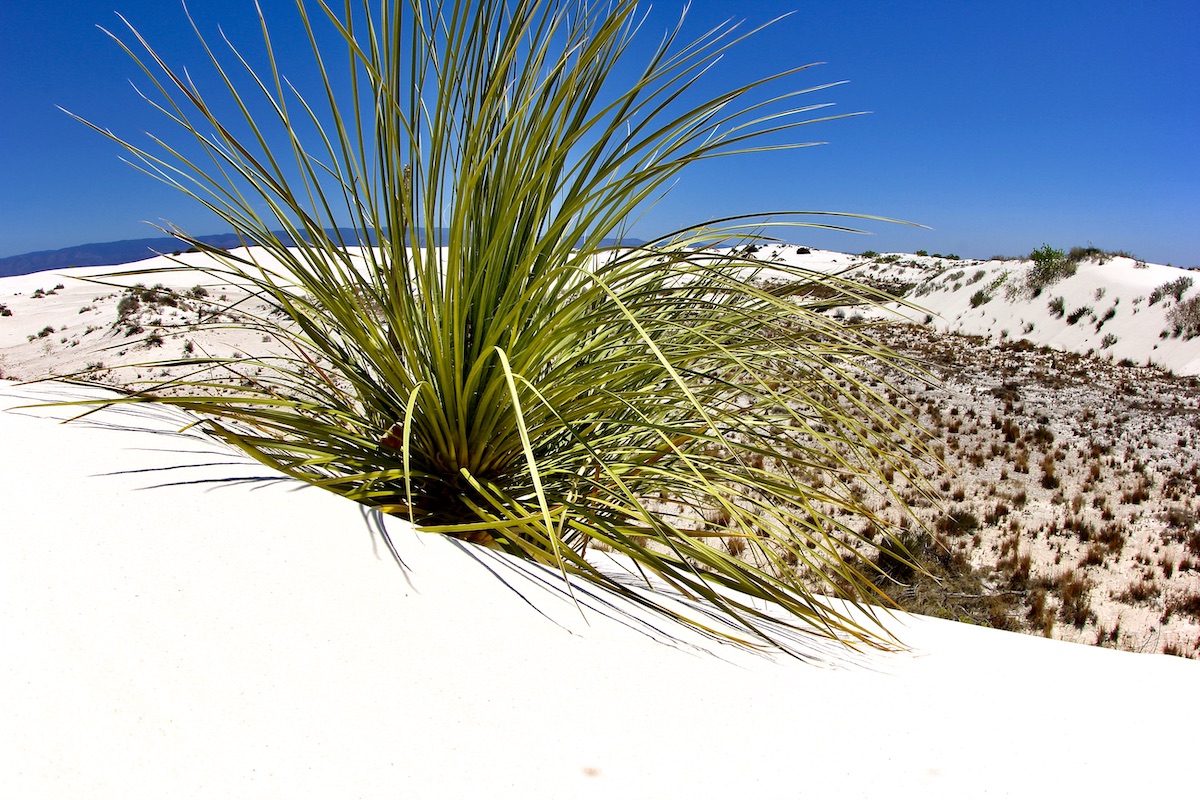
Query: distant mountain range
[[99, 254]]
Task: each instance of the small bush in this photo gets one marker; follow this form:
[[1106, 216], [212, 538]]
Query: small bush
[[1186, 603], [1184, 319], [979, 298], [1077, 254], [1075, 591], [1174, 288], [1049, 477], [957, 523], [1058, 307], [128, 305], [1140, 591], [1049, 267], [4, 311], [1078, 314]]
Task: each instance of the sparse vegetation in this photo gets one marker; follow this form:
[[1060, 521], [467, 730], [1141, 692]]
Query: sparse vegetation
[[1049, 267], [1174, 288], [1184, 318]]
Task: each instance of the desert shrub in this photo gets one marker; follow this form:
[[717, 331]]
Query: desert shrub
[[46, 331], [128, 305], [1140, 591], [979, 298], [1058, 307], [1049, 476], [1075, 592], [957, 522], [1078, 314], [490, 370], [1186, 603], [1108, 341], [1184, 318], [1049, 267], [1078, 254], [1174, 288], [869, 254], [4, 311]]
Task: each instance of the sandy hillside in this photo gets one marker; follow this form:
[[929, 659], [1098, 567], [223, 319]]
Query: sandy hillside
[[180, 621]]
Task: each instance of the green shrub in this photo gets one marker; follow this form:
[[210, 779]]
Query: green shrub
[[1049, 267], [979, 298], [1058, 307], [527, 388]]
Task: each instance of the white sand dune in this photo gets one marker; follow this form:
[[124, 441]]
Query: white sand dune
[[180, 622], [1119, 323]]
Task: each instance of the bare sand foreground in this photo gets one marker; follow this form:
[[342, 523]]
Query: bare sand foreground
[[180, 622]]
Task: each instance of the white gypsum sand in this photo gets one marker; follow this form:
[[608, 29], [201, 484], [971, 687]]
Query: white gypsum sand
[[179, 621], [1107, 552]]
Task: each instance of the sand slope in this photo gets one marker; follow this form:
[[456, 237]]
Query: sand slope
[[180, 622]]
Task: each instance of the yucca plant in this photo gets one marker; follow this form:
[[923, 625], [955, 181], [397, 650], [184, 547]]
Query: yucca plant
[[475, 358]]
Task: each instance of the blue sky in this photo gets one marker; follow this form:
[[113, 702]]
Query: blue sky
[[1000, 125]]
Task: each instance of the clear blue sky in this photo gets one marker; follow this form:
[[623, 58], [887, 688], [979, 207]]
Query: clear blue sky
[[1000, 124]]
